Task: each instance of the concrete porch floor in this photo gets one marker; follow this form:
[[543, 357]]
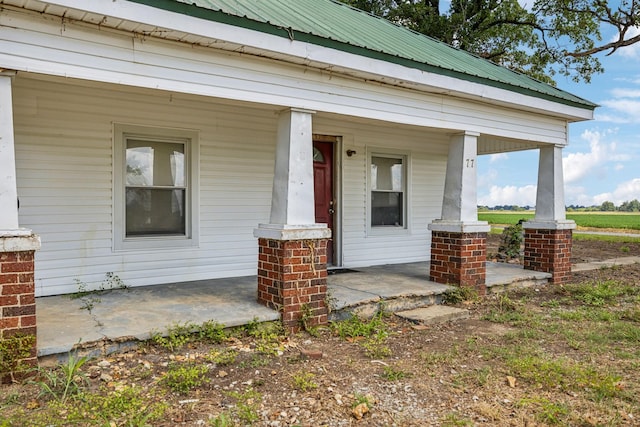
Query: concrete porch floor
[[124, 316]]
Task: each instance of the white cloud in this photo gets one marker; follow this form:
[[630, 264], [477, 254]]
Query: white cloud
[[577, 195], [498, 157], [579, 165], [624, 192], [632, 51], [625, 110], [488, 178], [625, 93], [509, 195]]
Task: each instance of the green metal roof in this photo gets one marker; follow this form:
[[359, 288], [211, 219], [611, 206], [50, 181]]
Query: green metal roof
[[333, 24]]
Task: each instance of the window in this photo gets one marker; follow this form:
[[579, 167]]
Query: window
[[388, 191], [154, 188]]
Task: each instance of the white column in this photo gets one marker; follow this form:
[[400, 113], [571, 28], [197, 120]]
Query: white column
[[550, 204], [292, 203], [460, 200], [8, 184]]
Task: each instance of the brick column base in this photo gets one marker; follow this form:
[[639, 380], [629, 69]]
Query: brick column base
[[17, 314], [459, 259], [292, 278], [548, 251]]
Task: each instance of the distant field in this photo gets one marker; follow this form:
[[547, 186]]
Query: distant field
[[630, 221]]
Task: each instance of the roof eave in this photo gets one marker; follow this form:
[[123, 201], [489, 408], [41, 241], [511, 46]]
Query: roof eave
[[306, 49]]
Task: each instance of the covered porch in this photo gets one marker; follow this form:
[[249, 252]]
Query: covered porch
[[120, 318]]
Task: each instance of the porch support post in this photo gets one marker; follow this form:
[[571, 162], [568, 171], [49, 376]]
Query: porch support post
[[548, 238], [292, 248], [458, 239], [17, 248]]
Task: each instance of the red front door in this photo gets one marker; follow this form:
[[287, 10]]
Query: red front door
[[323, 188]]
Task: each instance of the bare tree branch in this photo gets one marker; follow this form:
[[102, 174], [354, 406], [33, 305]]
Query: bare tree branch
[[615, 45]]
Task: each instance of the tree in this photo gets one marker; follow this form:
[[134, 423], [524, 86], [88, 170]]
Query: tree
[[607, 207], [554, 36], [632, 206]]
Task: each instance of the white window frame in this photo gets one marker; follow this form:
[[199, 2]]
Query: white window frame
[[191, 140], [405, 156]]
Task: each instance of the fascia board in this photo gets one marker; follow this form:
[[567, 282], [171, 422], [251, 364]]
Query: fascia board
[[323, 57]]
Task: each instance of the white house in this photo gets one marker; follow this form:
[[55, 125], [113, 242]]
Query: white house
[[175, 140]]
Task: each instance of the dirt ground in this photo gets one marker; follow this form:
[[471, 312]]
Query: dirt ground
[[427, 375], [584, 250]]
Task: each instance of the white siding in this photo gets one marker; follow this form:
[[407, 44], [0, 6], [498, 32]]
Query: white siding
[[64, 161]]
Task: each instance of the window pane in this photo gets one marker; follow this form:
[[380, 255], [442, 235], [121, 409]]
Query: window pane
[[153, 212], [317, 155], [153, 163], [386, 174], [386, 208]]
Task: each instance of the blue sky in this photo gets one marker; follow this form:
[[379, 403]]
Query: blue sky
[[602, 161]]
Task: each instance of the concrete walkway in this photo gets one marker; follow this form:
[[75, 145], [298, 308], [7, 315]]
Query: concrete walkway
[[120, 317], [123, 316]]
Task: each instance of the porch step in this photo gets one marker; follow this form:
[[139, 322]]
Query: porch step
[[434, 314]]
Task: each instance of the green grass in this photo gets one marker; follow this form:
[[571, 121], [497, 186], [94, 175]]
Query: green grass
[[587, 219]]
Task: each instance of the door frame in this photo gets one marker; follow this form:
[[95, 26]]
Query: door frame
[[337, 194]]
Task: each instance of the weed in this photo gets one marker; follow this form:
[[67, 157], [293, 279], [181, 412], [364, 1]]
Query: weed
[[130, 404], [632, 315], [304, 381], [13, 351], [222, 420], [454, 420], [390, 373], [264, 330], [436, 358], [506, 310], [600, 293], [458, 294], [89, 296], [375, 346], [267, 337], [183, 378], [247, 405], [360, 398], [511, 241], [482, 375], [355, 327], [564, 374], [176, 336], [306, 318], [330, 301], [625, 249], [64, 381], [554, 303], [126, 406], [547, 412], [213, 332], [222, 357], [10, 399]]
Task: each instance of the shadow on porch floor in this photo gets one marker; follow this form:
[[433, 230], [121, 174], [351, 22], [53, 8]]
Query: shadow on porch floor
[[124, 316]]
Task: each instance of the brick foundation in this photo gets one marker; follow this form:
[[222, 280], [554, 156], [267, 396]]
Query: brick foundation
[[549, 251], [459, 259], [17, 304], [292, 278]]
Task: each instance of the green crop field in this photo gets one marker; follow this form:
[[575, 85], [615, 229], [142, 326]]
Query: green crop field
[[629, 221]]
